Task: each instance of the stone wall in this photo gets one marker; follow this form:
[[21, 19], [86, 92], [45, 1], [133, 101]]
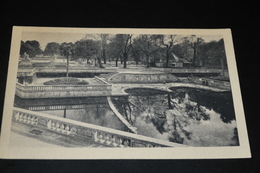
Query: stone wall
[[211, 82], [104, 89], [143, 78]]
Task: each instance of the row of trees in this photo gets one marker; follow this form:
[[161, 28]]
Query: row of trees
[[139, 48]]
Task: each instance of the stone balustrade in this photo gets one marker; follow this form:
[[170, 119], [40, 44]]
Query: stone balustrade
[[102, 89], [98, 134], [142, 77], [73, 69], [191, 70], [211, 82]]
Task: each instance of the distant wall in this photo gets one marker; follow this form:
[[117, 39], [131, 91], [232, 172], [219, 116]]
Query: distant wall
[[142, 78], [211, 82]]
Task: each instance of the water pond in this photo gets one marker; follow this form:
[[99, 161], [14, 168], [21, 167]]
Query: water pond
[[189, 116]]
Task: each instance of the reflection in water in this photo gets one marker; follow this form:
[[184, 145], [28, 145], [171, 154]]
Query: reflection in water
[[96, 110], [196, 117], [97, 115]]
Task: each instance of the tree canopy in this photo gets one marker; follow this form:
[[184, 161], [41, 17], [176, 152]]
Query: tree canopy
[[51, 49], [67, 49], [32, 48], [148, 49], [147, 45]]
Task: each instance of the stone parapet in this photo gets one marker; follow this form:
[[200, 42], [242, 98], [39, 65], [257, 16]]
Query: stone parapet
[[210, 82], [142, 77], [55, 91], [98, 134]]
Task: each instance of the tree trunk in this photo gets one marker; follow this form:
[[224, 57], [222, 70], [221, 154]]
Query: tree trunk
[[99, 63], [147, 60], [125, 58], [116, 61], [167, 57], [121, 59], [64, 115], [104, 56], [169, 101], [194, 55]]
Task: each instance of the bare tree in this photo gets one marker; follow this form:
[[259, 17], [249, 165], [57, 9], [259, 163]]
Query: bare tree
[[103, 39], [167, 42], [194, 42], [120, 46], [147, 45]]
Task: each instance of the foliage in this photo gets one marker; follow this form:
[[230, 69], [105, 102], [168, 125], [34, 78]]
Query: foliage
[[121, 44], [32, 48], [146, 45], [147, 48], [167, 42], [86, 48], [67, 49], [102, 40], [52, 48], [212, 54], [194, 42]]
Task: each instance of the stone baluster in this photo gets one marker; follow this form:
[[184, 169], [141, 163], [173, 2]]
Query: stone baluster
[[29, 120], [35, 122], [62, 127], [57, 126], [32, 120], [25, 118], [67, 129], [107, 139], [126, 143], [21, 117], [114, 141], [96, 136], [121, 142], [49, 124], [17, 116], [73, 130], [101, 140], [53, 127]]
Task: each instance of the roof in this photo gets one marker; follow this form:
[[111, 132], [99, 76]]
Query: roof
[[178, 59]]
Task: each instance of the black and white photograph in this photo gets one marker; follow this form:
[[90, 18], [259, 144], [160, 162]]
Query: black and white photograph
[[123, 93]]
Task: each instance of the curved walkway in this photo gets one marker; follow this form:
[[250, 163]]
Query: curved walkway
[[126, 123]]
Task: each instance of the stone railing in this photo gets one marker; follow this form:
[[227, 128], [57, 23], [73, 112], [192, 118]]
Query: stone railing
[[98, 134], [190, 70], [142, 77], [73, 69], [211, 82], [104, 89]]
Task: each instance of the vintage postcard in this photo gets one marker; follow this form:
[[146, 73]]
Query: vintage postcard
[[92, 93]]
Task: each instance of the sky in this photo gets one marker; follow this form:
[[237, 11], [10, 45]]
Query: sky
[[45, 37]]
